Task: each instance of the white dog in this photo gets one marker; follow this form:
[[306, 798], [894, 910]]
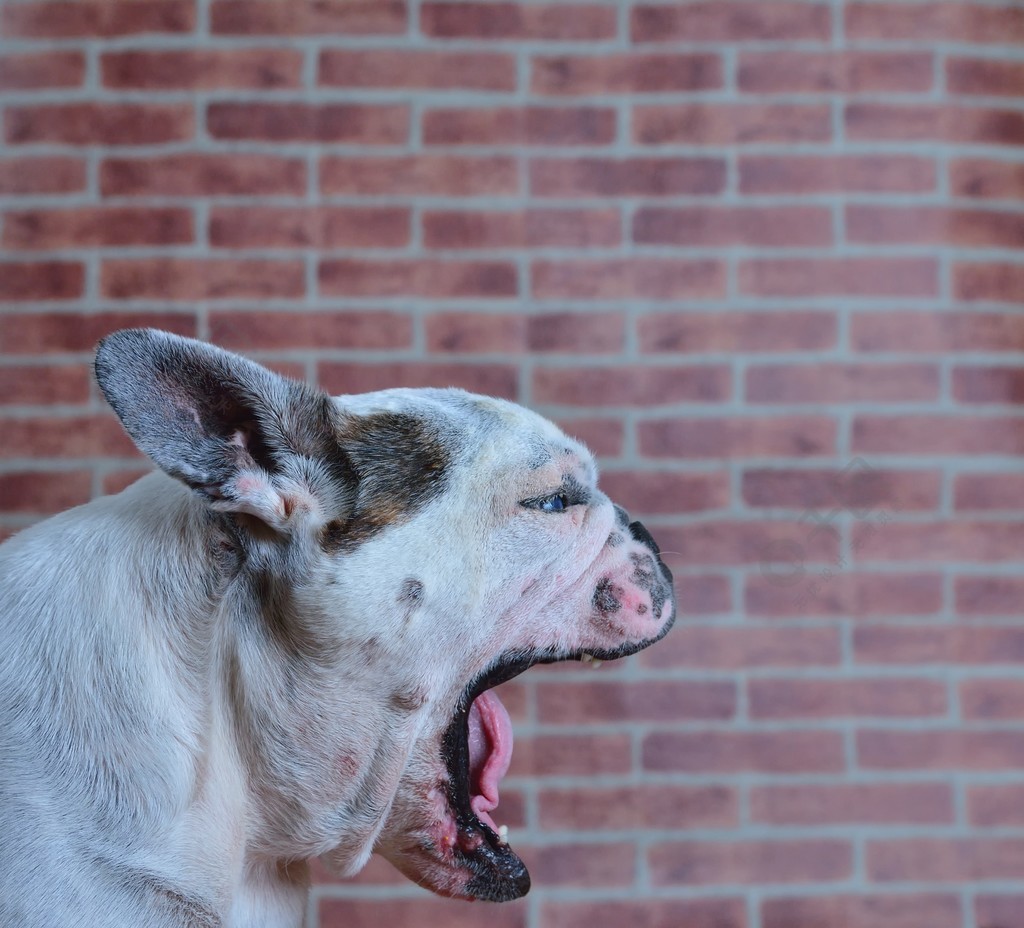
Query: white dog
[[287, 650]]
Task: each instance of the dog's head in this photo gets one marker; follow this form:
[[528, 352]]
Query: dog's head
[[394, 556]]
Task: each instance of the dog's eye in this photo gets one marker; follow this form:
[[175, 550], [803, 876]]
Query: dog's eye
[[556, 502]]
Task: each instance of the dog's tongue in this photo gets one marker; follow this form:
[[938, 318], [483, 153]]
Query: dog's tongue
[[490, 753]]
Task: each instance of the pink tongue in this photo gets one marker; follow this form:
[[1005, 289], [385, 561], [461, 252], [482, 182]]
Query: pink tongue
[[490, 753]]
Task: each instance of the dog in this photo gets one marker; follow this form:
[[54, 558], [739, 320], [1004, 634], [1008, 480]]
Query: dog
[[283, 644]]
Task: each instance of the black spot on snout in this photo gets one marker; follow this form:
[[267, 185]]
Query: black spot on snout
[[621, 517], [615, 539], [605, 600], [639, 533]]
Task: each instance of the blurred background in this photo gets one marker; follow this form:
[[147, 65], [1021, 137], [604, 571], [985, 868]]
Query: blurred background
[[763, 257]]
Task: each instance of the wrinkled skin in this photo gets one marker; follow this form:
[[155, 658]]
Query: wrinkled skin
[[276, 645]]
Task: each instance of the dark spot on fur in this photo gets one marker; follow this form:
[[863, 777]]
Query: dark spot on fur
[[398, 464], [615, 539], [645, 572], [641, 609], [605, 600], [411, 593], [621, 517], [409, 700]]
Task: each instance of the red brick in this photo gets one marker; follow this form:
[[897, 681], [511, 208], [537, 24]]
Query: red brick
[[943, 749], [53, 280], [853, 804], [989, 595], [946, 860], [628, 278], [703, 594], [598, 75], [44, 333], [976, 177], [43, 385], [534, 125], [96, 18], [996, 806], [631, 807], [308, 17], [848, 595], [44, 493], [882, 122], [993, 282], [814, 174], [201, 175], [861, 911], [841, 383], [649, 913], [430, 279], [862, 277], [372, 330], [930, 225], [420, 175], [187, 69], [416, 70], [99, 123], [992, 699], [41, 175], [942, 541], [310, 227], [646, 492], [738, 436], [584, 865], [722, 543], [988, 385], [200, 279], [42, 70], [936, 332], [731, 123], [606, 177], [603, 436], [921, 434], [856, 487], [733, 331], [97, 227], [774, 227], [650, 701], [350, 377], [116, 481], [882, 697], [571, 755], [741, 647], [354, 912], [508, 21], [524, 228], [1002, 909], [731, 21], [693, 863], [984, 77], [936, 644], [383, 124], [849, 72], [955, 22], [589, 332], [65, 437], [630, 386]]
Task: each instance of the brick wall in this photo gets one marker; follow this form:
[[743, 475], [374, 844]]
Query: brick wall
[[763, 256]]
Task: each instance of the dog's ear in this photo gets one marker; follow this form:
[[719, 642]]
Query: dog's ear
[[245, 438]]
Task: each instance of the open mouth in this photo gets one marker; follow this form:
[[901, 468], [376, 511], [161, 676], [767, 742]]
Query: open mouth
[[477, 750]]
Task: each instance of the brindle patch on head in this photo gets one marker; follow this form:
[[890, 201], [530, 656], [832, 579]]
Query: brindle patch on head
[[399, 465]]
